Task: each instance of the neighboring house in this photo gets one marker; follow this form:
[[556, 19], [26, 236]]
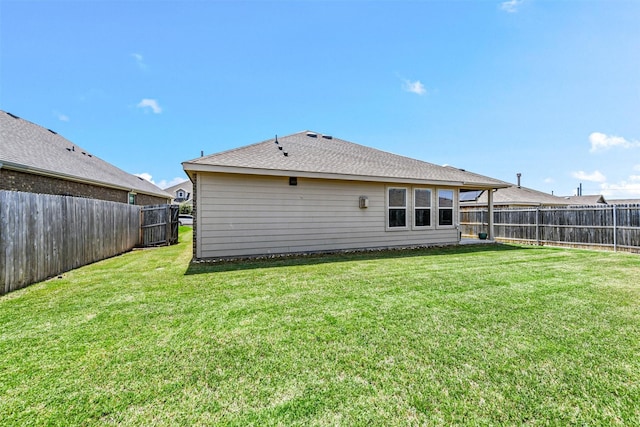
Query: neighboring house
[[38, 160], [513, 196], [310, 192], [181, 193], [588, 200], [624, 201]]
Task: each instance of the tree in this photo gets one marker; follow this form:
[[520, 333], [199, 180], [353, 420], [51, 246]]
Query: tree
[[186, 208]]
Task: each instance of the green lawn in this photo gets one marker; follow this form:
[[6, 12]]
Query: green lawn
[[487, 335]]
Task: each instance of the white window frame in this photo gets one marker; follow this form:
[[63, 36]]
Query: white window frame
[[407, 217], [453, 208], [415, 207]]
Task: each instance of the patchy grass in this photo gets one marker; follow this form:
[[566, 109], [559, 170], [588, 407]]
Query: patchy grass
[[487, 335]]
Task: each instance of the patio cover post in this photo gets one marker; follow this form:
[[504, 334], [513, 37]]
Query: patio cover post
[[490, 213]]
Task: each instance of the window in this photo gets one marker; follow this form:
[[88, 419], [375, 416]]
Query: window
[[397, 207], [445, 207], [421, 207], [180, 195], [132, 198]]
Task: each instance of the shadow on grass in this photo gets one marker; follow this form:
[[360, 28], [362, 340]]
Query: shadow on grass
[[271, 261]]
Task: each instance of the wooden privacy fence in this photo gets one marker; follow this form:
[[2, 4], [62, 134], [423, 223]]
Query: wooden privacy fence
[[159, 225], [603, 226], [43, 235]]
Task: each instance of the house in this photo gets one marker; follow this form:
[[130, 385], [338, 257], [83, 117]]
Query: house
[[181, 193], [514, 196], [588, 200], [624, 201], [38, 160], [309, 192]]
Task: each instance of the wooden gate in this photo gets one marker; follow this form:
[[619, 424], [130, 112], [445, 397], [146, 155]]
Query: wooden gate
[[159, 225]]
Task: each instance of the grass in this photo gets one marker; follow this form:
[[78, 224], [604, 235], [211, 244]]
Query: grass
[[491, 335]]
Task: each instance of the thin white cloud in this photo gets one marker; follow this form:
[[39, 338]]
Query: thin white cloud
[[600, 141], [139, 61], [549, 180], [60, 116], [628, 188], [623, 189], [511, 6], [163, 183], [170, 183], [146, 176], [150, 103], [414, 87], [596, 176]]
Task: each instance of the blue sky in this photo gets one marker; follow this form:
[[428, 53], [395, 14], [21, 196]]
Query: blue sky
[[550, 89]]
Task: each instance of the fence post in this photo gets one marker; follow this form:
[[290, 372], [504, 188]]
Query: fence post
[[490, 224], [615, 229], [538, 226], [167, 216], [141, 229]]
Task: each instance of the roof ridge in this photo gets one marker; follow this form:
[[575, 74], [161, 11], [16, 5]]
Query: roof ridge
[[16, 117], [231, 150], [50, 156], [307, 152]]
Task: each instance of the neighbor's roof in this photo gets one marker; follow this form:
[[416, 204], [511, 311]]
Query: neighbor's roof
[[30, 148], [186, 186], [518, 196], [591, 199], [310, 154], [623, 201]]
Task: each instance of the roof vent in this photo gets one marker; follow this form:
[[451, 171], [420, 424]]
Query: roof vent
[[285, 154], [312, 135], [276, 141], [13, 115], [53, 132], [327, 136]]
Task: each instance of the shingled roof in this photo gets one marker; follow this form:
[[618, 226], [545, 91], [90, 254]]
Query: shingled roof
[[311, 154], [590, 199], [30, 148], [518, 196], [184, 185]]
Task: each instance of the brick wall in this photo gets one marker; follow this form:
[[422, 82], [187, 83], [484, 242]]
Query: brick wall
[[31, 183], [146, 200]]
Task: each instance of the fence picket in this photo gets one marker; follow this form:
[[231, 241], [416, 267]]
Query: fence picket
[[44, 235], [607, 226], [159, 225]]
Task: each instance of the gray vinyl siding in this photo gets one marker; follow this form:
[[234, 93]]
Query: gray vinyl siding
[[245, 215]]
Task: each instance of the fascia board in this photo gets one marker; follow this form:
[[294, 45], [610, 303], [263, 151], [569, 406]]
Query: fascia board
[[194, 167]]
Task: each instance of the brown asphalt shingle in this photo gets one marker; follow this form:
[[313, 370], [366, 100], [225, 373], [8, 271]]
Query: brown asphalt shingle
[[32, 146], [329, 155]]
